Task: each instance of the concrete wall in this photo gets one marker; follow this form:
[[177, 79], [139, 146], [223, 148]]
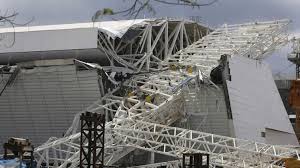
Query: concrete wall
[[43, 101]]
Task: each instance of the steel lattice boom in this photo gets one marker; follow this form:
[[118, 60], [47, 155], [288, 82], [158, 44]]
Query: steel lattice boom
[[226, 151], [253, 40]]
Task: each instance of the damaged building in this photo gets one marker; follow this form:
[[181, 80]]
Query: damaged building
[[153, 79]]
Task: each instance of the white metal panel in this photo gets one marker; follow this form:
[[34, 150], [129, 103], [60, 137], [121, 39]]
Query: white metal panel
[[51, 40], [255, 101], [113, 28], [278, 137]]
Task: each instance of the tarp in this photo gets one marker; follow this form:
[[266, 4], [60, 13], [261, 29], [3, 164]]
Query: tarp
[[14, 163]]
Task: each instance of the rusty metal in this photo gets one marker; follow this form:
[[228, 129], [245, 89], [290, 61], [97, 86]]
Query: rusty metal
[[92, 140]]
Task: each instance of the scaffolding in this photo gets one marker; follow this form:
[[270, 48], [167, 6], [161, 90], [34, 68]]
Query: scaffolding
[[92, 140]]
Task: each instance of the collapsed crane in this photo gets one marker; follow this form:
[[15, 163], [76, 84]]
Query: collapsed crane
[[142, 115]]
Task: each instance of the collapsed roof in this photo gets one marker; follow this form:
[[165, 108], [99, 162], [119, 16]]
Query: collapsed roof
[[82, 40]]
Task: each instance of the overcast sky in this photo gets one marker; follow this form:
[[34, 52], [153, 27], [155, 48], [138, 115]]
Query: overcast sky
[[224, 11]]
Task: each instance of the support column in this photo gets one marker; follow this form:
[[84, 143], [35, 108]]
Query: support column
[[152, 158], [181, 36], [149, 46], [166, 56]]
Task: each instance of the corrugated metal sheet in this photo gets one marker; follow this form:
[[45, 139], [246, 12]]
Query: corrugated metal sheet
[[43, 101], [207, 110], [283, 84]]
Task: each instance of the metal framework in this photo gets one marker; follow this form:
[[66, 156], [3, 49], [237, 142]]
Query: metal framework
[[295, 56], [145, 47], [224, 151], [92, 140], [252, 40], [153, 100]]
